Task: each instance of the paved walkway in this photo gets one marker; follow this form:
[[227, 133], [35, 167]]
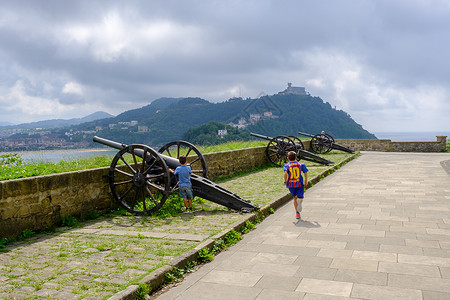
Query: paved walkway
[[378, 228]]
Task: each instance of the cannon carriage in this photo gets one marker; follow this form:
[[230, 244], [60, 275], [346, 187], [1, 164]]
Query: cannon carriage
[[323, 143], [279, 146], [140, 180]]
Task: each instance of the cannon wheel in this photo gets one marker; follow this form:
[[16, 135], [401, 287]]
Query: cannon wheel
[[140, 185], [321, 143], [195, 160], [278, 148], [330, 137], [297, 141]]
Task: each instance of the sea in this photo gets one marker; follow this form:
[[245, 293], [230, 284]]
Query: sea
[[58, 155], [411, 136]]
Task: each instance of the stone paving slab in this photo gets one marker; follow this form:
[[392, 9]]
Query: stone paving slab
[[376, 229]]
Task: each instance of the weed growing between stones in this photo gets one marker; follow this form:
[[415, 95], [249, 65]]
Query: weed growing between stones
[[143, 289], [69, 221]]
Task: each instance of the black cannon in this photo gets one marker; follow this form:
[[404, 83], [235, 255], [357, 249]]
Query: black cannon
[[323, 143], [279, 146], [140, 180]]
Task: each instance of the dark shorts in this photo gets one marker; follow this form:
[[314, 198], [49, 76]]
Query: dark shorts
[[297, 191], [185, 192]]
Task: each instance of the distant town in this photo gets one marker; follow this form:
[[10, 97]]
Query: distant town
[[42, 139]]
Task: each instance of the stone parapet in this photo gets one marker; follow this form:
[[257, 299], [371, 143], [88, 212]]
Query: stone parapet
[[39, 202], [390, 146], [226, 163]]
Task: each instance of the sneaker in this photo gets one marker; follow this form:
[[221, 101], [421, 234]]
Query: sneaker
[[297, 215], [299, 206]]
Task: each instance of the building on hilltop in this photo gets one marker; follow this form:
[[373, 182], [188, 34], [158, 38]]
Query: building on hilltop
[[296, 90]]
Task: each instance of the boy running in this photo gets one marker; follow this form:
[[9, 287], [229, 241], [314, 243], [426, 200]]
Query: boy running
[[294, 181]]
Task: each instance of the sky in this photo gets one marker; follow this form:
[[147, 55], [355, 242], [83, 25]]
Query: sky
[[384, 62]]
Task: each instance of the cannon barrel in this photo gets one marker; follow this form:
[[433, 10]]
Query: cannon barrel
[[264, 137], [171, 162], [342, 148], [306, 134], [201, 186]]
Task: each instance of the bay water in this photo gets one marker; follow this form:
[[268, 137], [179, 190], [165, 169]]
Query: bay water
[[411, 136]]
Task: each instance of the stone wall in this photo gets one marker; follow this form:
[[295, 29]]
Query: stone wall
[[39, 202], [227, 163], [36, 203], [389, 146]]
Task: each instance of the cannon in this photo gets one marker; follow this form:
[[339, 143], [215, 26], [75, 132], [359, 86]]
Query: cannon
[[279, 146], [323, 143], [140, 180]]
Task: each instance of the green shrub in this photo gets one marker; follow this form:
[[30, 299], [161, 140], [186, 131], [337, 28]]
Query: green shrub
[[26, 233], [11, 159], [92, 215], [142, 290], [205, 255], [174, 275], [219, 244], [232, 237], [171, 208], [247, 226], [69, 221]]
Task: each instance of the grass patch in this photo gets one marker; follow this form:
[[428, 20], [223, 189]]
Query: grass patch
[[12, 169]]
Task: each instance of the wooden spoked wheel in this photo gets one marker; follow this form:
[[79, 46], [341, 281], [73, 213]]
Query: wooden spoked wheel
[[139, 179], [195, 158], [321, 143], [329, 137], [298, 146], [278, 148]]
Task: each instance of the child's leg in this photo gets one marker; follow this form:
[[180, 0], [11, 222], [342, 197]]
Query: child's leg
[[190, 203], [295, 203], [299, 207], [185, 202]]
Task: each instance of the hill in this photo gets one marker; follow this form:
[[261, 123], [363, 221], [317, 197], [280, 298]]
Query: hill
[[293, 113], [56, 123], [207, 134], [167, 119]]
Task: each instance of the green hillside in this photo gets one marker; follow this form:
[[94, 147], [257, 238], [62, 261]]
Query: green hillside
[[167, 119], [311, 115]]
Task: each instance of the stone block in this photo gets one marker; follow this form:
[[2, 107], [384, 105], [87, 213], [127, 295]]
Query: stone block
[[23, 187]]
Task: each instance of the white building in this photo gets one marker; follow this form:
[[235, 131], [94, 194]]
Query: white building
[[222, 132]]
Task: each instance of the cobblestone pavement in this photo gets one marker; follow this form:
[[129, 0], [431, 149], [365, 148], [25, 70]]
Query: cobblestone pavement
[[104, 256], [379, 228]]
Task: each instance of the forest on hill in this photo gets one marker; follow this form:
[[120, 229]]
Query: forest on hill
[[168, 119]]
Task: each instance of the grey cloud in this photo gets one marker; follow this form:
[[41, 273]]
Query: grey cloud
[[213, 48]]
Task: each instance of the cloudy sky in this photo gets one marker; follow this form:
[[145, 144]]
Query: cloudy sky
[[385, 62]]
